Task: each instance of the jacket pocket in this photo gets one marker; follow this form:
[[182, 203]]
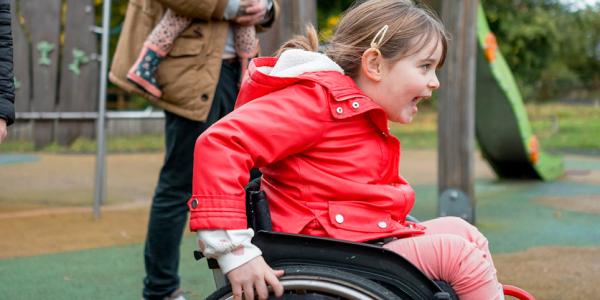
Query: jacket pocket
[[191, 42], [359, 216]]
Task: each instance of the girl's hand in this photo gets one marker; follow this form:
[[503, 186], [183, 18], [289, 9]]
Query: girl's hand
[[254, 275]]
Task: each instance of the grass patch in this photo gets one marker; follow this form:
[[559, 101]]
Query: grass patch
[[132, 144], [16, 146], [421, 133], [558, 127], [566, 127]]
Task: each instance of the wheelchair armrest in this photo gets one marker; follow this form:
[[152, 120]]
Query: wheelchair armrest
[[257, 211], [258, 214]]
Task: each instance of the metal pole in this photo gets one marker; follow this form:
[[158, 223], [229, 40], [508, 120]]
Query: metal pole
[[100, 134]]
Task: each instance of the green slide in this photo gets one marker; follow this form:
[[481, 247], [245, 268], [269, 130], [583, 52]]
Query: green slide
[[503, 131]]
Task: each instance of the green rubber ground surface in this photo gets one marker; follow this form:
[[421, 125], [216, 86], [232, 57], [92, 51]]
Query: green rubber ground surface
[[512, 214], [508, 213]]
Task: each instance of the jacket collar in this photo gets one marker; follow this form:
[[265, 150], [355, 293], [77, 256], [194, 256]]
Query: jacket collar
[[268, 74], [348, 100]]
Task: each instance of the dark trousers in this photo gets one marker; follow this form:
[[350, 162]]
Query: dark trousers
[[169, 211]]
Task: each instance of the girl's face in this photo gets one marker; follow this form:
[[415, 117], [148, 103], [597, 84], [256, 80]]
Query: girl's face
[[408, 81]]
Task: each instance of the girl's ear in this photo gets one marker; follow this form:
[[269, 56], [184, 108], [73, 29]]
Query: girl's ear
[[371, 64]]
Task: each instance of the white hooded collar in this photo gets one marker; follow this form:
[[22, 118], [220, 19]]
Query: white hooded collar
[[294, 62]]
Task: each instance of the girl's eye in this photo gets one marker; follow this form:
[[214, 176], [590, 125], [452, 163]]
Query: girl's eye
[[426, 67]]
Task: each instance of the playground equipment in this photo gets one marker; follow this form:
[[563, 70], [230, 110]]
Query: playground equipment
[[501, 124]]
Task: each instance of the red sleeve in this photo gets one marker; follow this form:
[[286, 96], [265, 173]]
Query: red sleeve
[[257, 134]]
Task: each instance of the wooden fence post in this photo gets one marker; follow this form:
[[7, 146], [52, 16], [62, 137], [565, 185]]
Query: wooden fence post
[[78, 89], [456, 106], [42, 20]]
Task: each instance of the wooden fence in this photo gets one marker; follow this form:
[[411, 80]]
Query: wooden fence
[[56, 70], [56, 65]]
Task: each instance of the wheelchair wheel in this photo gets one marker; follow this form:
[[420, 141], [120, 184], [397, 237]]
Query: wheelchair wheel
[[318, 283]]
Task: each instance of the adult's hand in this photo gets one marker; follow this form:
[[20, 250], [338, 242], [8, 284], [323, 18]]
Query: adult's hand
[[3, 132], [254, 13], [254, 275]]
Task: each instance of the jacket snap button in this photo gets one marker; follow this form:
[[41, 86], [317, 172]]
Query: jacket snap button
[[382, 224], [204, 97], [339, 110], [339, 218], [194, 203], [355, 105]]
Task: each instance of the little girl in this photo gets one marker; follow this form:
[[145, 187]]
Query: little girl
[[160, 42], [316, 126]]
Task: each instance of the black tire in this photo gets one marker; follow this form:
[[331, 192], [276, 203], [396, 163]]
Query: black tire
[[318, 283]]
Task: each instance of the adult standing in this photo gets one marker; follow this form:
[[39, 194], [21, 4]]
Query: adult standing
[[7, 87], [199, 80]]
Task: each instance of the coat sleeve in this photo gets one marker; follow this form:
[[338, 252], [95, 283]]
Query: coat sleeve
[[212, 10], [257, 134], [198, 9], [7, 88]]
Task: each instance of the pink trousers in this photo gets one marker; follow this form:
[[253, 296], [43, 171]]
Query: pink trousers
[[454, 251]]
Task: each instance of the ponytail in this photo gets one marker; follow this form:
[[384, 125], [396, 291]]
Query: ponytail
[[308, 42]]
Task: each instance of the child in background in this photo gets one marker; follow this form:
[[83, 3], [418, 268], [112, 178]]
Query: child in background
[[316, 126], [160, 42]]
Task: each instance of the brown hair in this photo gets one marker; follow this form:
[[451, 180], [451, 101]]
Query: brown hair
[[309, 42], [411, 28]]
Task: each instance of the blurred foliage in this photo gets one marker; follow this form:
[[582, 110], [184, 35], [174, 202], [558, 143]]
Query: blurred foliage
[[117, 15], [552, 47], [329, 14]]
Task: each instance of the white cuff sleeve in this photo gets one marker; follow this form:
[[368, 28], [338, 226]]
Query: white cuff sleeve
[[231, 248], [231, 10]]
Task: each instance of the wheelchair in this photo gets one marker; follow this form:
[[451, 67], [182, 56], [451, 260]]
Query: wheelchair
[[318, 268]]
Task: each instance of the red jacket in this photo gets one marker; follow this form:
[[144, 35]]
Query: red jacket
[[325, 152]]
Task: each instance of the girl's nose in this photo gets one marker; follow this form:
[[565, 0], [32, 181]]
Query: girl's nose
[[434, 83]]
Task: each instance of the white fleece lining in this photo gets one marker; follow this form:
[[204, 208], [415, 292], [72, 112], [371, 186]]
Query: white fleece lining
[[295, 62]]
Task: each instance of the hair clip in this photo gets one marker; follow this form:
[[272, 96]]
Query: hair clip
[[375, 43]]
